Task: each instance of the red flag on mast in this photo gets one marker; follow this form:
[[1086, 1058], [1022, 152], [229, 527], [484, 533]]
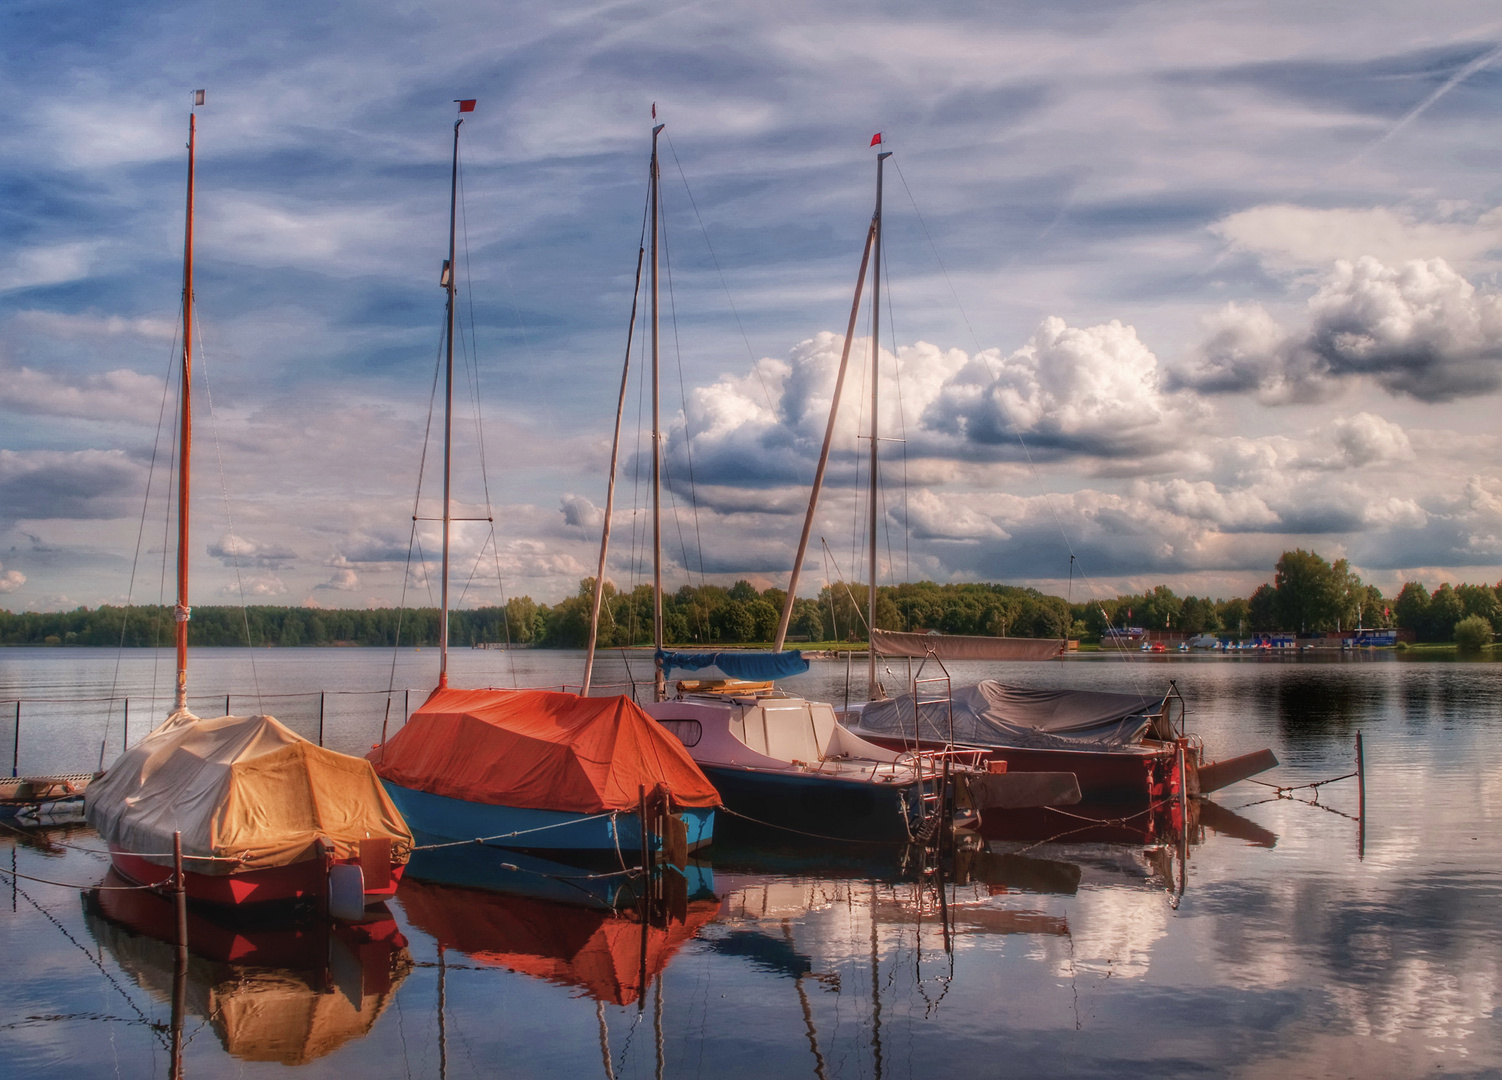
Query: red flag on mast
[[467, 105], [876, 139]]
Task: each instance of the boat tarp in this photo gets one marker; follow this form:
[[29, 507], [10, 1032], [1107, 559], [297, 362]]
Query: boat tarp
[[245, 792], [598, 952], [737, 664], [965, 647], [541, 750], [990, 713]]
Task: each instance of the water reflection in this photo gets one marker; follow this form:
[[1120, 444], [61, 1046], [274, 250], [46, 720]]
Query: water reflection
[[609, 956], [279, 993]]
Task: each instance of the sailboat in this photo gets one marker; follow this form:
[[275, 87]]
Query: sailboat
[[536, 769], [778, 760], [262, 815]]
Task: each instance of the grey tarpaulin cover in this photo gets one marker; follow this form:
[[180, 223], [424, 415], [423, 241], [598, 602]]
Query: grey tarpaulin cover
[[995, 714]]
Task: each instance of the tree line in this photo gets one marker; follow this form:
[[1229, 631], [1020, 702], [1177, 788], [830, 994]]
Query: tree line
[[1307, 594]]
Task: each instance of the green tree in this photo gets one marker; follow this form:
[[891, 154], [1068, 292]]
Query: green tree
[[1473, 632], [1308, 592]]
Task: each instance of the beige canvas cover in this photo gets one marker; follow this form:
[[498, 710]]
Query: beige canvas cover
[[241, 788]]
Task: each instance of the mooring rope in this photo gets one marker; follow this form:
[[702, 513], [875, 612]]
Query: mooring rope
[[87, 888]]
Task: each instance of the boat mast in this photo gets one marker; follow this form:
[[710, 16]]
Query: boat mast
[[182, 611], [873, 688], [448, 414], [659, 676], [615, 449], [834, 410]]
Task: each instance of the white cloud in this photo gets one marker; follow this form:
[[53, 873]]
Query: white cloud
[[1094, 390], [343, 580], [10, 580], [233, 550], [31, 268], [112, 396], [579, 513], [1419, 330], [1299, 237]]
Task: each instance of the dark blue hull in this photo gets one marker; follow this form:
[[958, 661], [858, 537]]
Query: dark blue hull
[[814, 807]]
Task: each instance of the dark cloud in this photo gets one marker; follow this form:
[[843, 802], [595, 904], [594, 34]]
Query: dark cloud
[[85, 484]]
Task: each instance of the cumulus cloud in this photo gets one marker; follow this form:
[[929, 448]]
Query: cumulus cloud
[[1418, 330], [256, 586], [1355, 442], [1095, 390], [235, 550], [579, 513], [10, 580], [343, 580]]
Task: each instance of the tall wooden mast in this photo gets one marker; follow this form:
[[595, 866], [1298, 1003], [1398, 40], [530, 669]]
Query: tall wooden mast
[[448, 414], [659, 677], [185, 437], [873, 688]]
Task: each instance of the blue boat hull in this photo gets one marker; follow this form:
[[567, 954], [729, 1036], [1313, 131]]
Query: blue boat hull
[[441, 818], [814, 807]]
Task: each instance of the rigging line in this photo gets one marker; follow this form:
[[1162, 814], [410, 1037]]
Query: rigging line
[[840, 574], [401, 611], [203, 366], [161, 601], [135, 561], [472, 365], [907, 554], [422, 468], [725, 284], [688, 438], [995, 380], [886, 517]]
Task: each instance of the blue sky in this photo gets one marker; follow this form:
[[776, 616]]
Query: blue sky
[[1230, 269]]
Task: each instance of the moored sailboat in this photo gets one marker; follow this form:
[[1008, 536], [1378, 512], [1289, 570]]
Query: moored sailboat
[[262, 815], [536, 769], [778, 760]]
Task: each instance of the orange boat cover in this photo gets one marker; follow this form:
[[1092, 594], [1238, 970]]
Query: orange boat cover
[[539, 749]]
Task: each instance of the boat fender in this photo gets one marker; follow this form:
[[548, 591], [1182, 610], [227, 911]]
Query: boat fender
[[347, 892]]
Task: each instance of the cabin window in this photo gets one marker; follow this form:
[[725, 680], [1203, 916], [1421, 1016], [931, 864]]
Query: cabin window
[[688, 732]]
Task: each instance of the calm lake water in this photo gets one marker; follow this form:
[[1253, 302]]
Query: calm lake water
[[1281, 948]]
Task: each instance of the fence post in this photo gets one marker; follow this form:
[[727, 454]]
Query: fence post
[[320, 718]]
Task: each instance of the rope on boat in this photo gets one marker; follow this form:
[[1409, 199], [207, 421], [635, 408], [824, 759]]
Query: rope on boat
[[482, 840], [800, 832], [137, 854], [87, 888]]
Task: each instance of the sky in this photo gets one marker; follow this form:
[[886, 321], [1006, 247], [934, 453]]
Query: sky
[[1168, 288]]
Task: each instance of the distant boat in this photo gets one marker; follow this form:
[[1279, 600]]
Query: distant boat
[[265, 816], [536, 769]]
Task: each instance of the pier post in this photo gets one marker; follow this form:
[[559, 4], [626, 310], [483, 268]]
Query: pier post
[[226, 704], [180, 968], [15, 746], [320, 718], [1360, 799]]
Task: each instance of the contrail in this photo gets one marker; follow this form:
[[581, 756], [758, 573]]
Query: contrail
[[1453, 81]]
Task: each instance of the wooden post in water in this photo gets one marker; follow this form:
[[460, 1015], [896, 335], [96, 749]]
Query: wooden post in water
[[1360, 799], [226, 704], [125, 729], [320, 718], [180, 967], [646, 844], [15, 746]]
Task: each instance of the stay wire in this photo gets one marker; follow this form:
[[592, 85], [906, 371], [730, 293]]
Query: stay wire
[[203, 359], [135, 561], [1011, 421], [755, 367], [688, 436]]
